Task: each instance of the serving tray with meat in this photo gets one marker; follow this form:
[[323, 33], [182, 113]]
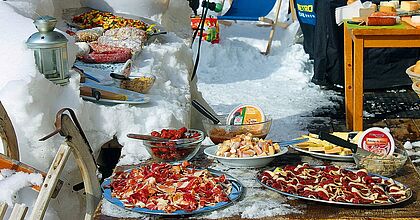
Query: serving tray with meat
[[171, 190], [335, 185]]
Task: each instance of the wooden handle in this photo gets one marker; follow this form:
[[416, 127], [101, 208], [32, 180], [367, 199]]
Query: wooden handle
[[88, 91]]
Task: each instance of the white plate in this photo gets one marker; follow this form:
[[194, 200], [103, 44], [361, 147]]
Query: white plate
[[335, 157], [251, 162]]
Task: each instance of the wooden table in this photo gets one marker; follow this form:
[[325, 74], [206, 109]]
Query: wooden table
[[362, 38]]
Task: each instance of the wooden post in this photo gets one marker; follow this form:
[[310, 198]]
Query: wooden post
[[3, 209], [358, 84], [18, 212], [348, 76], [50, 182], [8, 135], [273, 28], [292, 9]]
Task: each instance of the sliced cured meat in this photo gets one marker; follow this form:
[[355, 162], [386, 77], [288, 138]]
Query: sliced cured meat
[[161, 186], [333, 183], [106, 54]]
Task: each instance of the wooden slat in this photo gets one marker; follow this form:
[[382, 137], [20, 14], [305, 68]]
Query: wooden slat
[[348, 76], [11, 164], [358, 85], [18, 212], [50, 182], [392, 41], [3, 209]]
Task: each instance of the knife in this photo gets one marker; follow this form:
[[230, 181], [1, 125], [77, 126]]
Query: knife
[[291, 142], [340, 142]]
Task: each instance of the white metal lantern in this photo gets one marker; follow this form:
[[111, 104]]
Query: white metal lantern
[[50, 50]]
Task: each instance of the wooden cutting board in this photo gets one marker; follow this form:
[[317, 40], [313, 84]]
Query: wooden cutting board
[[408, 21]]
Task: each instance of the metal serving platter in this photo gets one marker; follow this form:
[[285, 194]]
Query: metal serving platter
[[235, 195], [334, 157], [409, 194]]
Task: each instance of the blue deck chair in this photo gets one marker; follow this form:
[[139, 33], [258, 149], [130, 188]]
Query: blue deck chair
[[256, 10]]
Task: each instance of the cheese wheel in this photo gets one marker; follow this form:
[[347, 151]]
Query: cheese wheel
[[415, 19], [410, 6]]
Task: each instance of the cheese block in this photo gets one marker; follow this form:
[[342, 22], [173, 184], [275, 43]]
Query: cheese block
[[410, 6], [318, 149], [389, 9]]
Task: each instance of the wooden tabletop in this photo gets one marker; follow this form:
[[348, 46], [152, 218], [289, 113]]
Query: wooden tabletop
[[375, 30]]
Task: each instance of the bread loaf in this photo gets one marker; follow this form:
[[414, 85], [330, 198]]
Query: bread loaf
[[381, 21], [417, 67], [388, 9]]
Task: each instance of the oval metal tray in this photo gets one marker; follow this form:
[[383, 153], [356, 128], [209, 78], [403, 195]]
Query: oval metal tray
[[334, 157], [409, 194], [235, 195]]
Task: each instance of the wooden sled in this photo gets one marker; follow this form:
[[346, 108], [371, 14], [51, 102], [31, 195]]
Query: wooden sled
[[76, 143]]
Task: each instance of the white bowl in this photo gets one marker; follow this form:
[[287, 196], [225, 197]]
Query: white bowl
[[413, 76], [416, 87], [247, 162]]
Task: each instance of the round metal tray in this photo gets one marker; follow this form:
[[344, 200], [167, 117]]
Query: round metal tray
[[235, 195]]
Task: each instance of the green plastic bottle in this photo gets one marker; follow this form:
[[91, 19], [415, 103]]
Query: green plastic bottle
[[218, 8]]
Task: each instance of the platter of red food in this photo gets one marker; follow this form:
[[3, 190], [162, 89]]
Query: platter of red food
[[335, 185], [171, 190]]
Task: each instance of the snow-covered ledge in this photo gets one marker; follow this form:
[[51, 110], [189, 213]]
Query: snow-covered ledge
[[32, 102]]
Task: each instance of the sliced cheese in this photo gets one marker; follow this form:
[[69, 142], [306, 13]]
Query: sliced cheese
[[335, 150], [318, 149]]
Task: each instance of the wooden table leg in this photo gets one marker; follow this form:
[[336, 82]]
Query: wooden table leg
[[348, 76], [358, 84]]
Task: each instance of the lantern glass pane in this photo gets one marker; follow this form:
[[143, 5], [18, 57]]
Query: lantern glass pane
[[50, 64]]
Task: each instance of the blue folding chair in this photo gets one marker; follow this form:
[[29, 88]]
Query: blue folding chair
[[256, 10]]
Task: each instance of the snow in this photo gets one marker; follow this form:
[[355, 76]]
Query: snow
[[11, 182]]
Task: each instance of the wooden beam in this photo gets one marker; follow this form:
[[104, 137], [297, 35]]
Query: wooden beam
[[273, 28], [50, 182], [18, 212], [3, 209], [348, 76]]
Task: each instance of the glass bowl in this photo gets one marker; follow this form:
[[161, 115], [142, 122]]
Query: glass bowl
[[175, 150], [141, 84], [222, 132], [383, 165]]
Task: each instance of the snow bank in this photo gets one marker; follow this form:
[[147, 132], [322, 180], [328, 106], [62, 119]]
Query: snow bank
[[12, 182], [32, 101]]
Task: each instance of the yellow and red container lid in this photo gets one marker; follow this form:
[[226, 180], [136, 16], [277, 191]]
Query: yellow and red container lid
[[245, 114]]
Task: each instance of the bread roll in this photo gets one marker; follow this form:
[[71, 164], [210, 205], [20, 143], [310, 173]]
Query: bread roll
[[417, 67]]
